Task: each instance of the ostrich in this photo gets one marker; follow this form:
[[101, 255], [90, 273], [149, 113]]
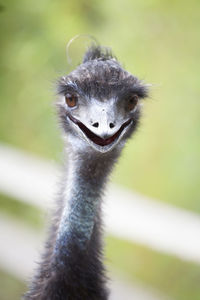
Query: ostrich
[[99, 107]]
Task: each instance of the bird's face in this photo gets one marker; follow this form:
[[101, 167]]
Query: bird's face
[[102, 114]]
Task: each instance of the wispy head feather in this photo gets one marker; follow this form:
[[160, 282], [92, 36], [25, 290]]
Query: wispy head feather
[[98, 53]]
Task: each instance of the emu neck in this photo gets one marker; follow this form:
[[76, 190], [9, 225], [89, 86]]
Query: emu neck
[[86, 178]]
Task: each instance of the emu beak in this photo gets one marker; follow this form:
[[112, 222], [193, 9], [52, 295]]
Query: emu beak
[[104, 141]]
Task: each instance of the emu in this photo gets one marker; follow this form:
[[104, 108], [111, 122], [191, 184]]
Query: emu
[[98, 106]]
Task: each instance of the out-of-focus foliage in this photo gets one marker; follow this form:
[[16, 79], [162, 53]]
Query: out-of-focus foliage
[[22, 211], [11, 288], [157, 40], [176, 279]]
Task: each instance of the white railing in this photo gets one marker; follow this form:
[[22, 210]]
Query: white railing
[[128, 215]]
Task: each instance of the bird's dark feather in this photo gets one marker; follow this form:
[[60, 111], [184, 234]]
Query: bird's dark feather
[[69, 271]]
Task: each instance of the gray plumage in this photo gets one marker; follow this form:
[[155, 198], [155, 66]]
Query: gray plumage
[[99, 108]]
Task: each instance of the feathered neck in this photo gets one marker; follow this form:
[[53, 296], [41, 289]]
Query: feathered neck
[[86, 178]]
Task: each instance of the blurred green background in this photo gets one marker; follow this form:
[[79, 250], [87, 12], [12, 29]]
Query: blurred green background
[[159, 41]]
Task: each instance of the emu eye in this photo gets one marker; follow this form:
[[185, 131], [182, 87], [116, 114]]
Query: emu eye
[[132, 102], [71, 100]]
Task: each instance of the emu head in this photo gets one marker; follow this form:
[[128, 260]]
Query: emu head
[[99, 102]]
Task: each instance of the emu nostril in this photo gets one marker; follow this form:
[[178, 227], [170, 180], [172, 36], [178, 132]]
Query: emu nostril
[[95, 124], [111, 125]]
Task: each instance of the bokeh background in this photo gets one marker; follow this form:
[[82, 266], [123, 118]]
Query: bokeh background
[[157, 40]]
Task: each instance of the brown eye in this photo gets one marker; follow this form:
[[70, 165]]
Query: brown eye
[[71, 100], [132, 102]]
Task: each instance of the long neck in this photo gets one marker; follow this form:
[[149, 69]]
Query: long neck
[[87, 175], [72, 267]]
